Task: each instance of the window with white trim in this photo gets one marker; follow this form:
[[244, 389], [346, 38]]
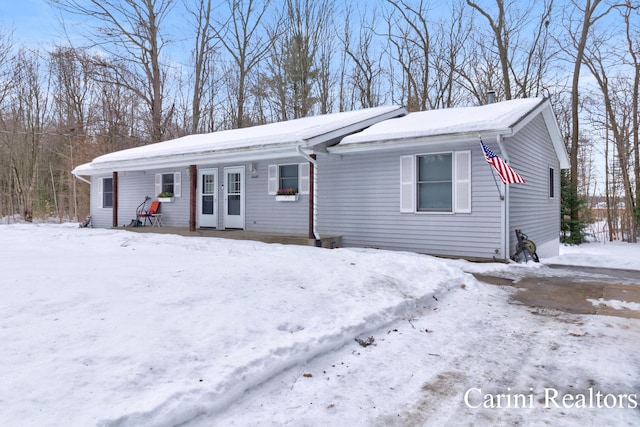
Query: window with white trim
[[436, 182], [106, 192], [288, 178], [168, 183], [552, 183]]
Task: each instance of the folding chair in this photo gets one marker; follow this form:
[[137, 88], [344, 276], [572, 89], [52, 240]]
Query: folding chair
[[151, 214]]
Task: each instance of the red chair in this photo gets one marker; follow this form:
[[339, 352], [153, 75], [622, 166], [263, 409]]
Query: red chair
[[150, 213]]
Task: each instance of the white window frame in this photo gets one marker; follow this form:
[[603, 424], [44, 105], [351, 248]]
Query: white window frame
[[101, 192], [460, 183], [177, 183], [273, 177], [552, 182]]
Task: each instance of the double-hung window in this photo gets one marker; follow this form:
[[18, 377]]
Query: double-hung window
[[436, 183], [107, 192]]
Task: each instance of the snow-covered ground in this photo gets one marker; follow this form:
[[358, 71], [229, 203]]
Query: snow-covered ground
[[113, 328]]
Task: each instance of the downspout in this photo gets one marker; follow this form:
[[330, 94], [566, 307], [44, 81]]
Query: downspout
[[314, 162], [505, 212]]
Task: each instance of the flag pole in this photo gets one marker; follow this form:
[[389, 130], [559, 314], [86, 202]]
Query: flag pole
[[493, 174]]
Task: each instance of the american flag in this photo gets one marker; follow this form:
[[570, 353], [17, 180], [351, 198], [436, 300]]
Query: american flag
[[507, 175]]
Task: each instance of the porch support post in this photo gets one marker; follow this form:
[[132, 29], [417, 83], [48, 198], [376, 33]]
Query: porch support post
[[114, 201], [312, 171], [193, 182]]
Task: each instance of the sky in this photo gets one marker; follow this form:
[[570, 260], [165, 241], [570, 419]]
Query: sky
[[33, 21]]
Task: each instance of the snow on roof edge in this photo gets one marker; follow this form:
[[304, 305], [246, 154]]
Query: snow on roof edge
[[434, 123], [291, 132]]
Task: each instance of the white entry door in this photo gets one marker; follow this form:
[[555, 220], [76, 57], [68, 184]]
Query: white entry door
[[208, 198], [234, 197]]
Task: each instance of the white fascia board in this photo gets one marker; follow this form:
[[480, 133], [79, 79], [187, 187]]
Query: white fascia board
[[421, 141], [556, 138]]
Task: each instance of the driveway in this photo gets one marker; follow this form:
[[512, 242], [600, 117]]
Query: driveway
[[573, 289]]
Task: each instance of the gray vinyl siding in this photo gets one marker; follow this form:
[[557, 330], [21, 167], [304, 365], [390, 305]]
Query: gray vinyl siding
[[100, 217], [531, 154], [359, 199], [133, 187], [264, 213]]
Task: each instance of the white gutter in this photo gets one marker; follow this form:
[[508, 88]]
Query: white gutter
[[81, 178], [314, 162], [412, 142]]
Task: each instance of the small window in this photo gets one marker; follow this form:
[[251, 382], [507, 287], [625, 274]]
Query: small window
[[107, 192], [168, 183], [552, 183], [435, 183], [283, 178], [288, 178]]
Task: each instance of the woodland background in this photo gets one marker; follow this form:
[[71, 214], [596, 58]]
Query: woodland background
[[126, 73]]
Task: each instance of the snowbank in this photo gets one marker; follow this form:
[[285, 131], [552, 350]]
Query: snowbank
[[116, 328]]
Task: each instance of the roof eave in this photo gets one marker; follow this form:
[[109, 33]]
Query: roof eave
[[339, 133], [185, 160], [416, 141]]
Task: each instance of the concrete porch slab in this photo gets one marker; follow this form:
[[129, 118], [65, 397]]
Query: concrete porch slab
[[329, 242]]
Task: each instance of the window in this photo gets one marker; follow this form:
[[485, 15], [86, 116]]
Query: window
[[435, 189], [168, 183], [288, 177], [552, 183], [107, 192], [284, 177], [438, 182]]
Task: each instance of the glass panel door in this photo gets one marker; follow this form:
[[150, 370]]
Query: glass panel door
[[234, 197], [207, 198]]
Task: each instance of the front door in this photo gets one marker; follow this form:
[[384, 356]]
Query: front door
[[208, 198], [234, 197]]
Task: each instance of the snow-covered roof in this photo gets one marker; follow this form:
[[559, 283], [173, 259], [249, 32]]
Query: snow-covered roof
[[270, 140], [500, 118], [496, 117]]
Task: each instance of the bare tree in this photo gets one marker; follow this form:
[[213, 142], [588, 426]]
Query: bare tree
[[244, 39], [29, 117], [130, 33], [204, 48], [73, 97], [619, 119], [509, 23], [578, 30], [630, 14], [366, 60], [448, 58], [410, 41], [326, 52], [6, 183]]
